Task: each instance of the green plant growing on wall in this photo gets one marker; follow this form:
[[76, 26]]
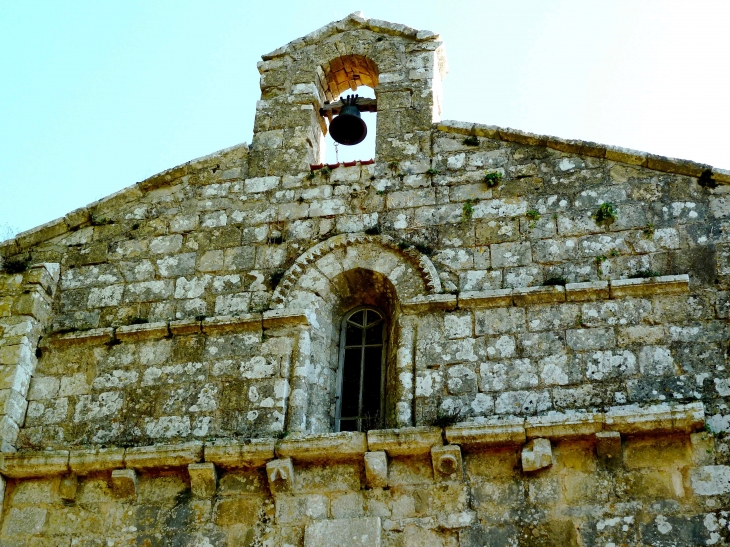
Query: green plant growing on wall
[[648, 231], [431, 171], [446, 418], [16, 264], [534, 216], [599, 260], [325, 171], [311, 175], [100, 221], [471, 140], [613, 253], [605, 214], [467, 211], [493, 179]]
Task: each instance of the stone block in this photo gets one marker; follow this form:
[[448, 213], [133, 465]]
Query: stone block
[[68, 486], [20, 465], [253, 453], [407, 441], [703, 448], [376, 469], [280, 474], [185, 326], [497, 298], [537, 454], [446, 461], [528, 296], [608, 444], [146, 331], [124, 483], [85, 461], [163, 456], [586, 292], [358, 532], [668, 284], [655, 418], [493, 432], [430, 303], [710, 480], [344, 445], [203, 479], [35, 304], [558, 425], [286, 318]]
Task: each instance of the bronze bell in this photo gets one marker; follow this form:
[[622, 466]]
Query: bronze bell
[[348, 127]]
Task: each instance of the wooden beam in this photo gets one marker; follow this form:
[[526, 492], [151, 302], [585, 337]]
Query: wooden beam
[[363, 104]]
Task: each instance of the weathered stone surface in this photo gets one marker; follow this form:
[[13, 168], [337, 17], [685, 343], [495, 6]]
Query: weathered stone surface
[[362, 532], [536, 454], [496, 432], [280, 473], [446, 461], [85, 461], [328, 447], [608, 444], [376, 469], [405, 441], [203, 479], [124, 483], [253, 453], [163, 456], [204, 306]]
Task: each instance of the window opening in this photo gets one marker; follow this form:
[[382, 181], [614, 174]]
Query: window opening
[[361, 374]]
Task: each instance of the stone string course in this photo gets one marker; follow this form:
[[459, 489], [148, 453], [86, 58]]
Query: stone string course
[[169, 360]]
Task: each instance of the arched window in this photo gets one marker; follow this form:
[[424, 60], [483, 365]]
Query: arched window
[[361, 374]]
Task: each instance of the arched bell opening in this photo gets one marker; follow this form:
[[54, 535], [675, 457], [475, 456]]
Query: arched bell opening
[[350, 114]]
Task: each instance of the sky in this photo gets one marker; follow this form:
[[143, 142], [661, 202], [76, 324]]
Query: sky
[[95, 96]]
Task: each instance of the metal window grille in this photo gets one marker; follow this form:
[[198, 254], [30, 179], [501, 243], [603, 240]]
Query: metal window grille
[[361, 374]]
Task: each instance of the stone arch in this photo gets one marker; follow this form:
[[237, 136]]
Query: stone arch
[[332, 278], [348, 72], [379, 253]]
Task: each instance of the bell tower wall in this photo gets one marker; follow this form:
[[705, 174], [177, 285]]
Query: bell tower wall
[[404, 66]]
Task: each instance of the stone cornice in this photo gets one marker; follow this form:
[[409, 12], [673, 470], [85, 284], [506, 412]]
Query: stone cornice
[[411, 441], [587, 148], [219, 324]]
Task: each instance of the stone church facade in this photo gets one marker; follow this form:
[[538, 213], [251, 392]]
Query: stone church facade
[[483, 337]]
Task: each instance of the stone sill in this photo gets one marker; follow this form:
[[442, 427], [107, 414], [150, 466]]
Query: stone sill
[[212, 325], [408, 441]]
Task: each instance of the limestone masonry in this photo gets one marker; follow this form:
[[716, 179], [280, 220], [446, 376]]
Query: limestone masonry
[[549, 366]]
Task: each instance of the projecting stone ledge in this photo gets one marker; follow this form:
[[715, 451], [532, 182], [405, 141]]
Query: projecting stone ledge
[[253, 453], [328, 446], [668, 284], [163, 456], [407, 441]]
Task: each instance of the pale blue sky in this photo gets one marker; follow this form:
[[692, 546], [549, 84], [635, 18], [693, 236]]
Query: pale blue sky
[[95, 96]]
